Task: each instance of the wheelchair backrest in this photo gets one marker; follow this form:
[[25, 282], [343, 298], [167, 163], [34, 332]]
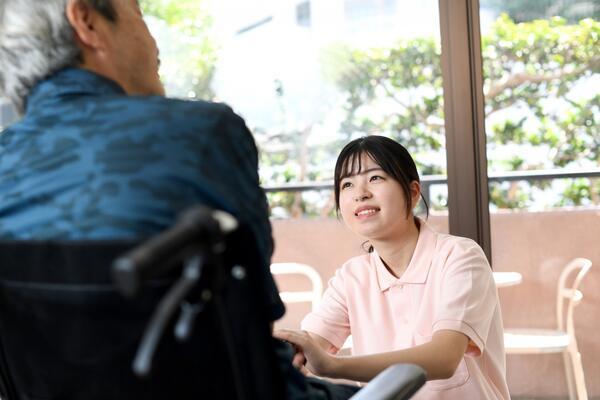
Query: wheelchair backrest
[[66, 333]]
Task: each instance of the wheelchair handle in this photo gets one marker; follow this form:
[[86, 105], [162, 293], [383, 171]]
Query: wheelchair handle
[[195, 228]]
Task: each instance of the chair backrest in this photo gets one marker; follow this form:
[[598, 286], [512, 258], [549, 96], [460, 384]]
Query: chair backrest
[[568, 295], [313, 296], [66, 333]]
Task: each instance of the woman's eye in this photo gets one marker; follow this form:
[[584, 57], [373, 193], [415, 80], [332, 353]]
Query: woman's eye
[[375, 178], [346, 185]]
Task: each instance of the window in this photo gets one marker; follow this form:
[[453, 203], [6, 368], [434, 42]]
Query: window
[[542, 110], [542, 104], [305, 90], [308, 81], [360, 9]]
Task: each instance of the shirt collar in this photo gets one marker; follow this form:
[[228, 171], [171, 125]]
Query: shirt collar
[[71, 82], [420, 263]]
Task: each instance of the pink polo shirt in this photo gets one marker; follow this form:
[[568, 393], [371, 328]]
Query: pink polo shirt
[[448, 285]]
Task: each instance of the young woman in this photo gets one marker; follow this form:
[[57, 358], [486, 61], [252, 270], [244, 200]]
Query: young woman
[[417, 297]]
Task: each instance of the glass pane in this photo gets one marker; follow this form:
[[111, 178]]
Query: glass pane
[[541, 87], [542, 93], [309, 76]]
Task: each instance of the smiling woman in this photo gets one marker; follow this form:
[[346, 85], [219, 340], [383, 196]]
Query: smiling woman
[[370, 199], [376, 180], [418, 297]]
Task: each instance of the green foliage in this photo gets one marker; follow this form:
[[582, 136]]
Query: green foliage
[[191, 22], [577, 193], [526, 63], [534, 71], [527, 10], [508, 195], [531, 70], [394, 91]]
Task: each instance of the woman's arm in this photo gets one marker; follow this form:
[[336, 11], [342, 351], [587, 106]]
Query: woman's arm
[[439, 357], [324, 343]]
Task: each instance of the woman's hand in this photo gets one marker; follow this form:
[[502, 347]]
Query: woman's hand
[[299, 360], [318, 361]]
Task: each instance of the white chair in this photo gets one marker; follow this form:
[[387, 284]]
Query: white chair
[[313, 296], [561, 340]]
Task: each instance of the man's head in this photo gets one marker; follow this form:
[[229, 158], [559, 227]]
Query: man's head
[[109, 37]]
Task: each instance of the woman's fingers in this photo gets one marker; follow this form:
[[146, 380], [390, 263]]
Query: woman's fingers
[[316, 359], [295, 337], [299, 359]]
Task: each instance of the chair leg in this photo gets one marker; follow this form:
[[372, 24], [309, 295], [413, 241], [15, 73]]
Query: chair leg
[[569, 374], [579, 376]]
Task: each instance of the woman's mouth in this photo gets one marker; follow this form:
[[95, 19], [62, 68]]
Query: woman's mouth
[[366, 211]]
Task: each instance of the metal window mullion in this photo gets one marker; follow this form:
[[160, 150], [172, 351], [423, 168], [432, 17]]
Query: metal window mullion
[[468, 209]]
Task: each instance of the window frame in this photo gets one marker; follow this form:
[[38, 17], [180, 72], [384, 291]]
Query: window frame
[[464, 102]]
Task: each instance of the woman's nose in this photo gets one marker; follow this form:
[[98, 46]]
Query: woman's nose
[[363, 196]]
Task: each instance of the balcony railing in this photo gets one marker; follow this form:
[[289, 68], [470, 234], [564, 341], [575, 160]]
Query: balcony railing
[[429, 180]]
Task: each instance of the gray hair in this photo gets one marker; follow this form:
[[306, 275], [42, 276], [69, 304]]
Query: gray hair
[[36, 40]]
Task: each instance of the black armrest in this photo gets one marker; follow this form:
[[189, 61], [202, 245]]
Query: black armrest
[[398, 382]]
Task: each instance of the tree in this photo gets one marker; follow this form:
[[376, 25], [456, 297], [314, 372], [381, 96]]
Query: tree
[[537, 69], [397, 92], [392, 91], [193, 55], [534, 75], [538, 111]]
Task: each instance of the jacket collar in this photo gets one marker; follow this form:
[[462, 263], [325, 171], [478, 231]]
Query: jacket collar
[[420, 263], [71, 82]]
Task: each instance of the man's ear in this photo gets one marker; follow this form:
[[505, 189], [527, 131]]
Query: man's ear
[[84, 21]]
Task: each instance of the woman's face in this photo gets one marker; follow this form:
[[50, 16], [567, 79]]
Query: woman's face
[[373, 204]]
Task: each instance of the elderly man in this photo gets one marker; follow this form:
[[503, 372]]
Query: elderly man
[[100, 153]]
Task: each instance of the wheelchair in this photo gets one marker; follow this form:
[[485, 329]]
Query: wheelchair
[[179, 316]]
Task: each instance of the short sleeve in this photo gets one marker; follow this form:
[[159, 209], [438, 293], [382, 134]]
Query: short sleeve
[[468, 298], [330, 320]]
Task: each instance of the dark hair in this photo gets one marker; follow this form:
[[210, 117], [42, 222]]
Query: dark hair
[[104, 7], [390, 155]]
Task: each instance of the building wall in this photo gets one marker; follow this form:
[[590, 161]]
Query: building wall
[[536, 244], [283, 53]]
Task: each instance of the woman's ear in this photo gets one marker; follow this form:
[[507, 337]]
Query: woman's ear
[[415, 193], [84, 20]]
